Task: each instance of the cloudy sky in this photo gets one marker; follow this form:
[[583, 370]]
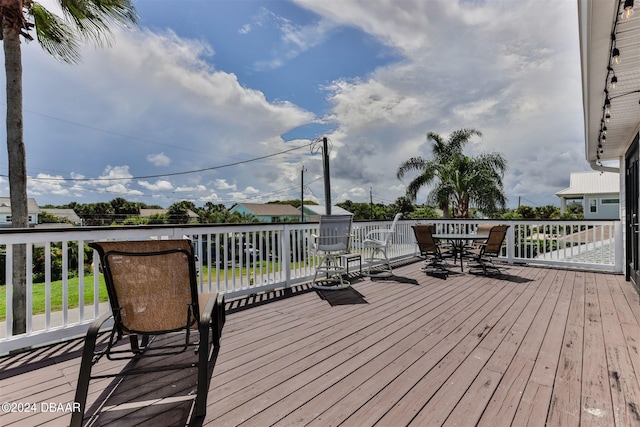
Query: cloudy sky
[[224, 100]]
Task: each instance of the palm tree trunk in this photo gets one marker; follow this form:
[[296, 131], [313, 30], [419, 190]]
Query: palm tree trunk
[[17, 171]]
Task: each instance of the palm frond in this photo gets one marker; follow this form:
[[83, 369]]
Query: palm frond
[[54, 35], [93, 18], [413, 164]]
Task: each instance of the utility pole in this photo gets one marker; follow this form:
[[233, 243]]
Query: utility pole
[[315, 147], [302, 195], [327, 177], [370, 203]]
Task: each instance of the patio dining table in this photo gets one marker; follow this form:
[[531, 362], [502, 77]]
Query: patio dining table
[[458, 241]]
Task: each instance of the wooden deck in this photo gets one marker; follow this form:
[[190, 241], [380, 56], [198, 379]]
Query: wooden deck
[[531, 347]]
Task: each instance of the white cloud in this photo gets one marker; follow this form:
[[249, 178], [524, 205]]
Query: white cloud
[[222, 184], [251, 190], [44, 184], [160, 185], [191, 189], [159, 159]]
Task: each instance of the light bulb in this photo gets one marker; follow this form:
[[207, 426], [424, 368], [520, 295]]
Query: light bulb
[[615, 55], [628, 9]]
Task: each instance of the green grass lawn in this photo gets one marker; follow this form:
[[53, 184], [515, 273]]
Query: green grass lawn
[[72, 297], [38, 292]]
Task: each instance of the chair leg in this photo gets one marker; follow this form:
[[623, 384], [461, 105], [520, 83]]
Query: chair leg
[[383, 257], [84, 377], [203, 371], [389, 269]]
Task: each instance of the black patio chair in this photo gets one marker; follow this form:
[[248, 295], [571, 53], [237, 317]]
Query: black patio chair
[[430, 249], [153, 293], [488, 251]]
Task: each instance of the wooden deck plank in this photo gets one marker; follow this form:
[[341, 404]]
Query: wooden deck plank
[[516, 348], [597, 407], [625, 390], [529, 347], [548, 331]]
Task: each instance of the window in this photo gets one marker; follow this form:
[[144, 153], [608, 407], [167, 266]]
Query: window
[[9, 218], [593, 205], [609, 201]]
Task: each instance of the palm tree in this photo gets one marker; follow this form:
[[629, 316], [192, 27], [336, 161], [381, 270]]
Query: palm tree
[[60, 37], [458, 181]]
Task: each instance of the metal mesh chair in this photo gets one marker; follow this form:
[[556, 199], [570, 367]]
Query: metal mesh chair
[[152, 292], [487, 251], [430, 249], [331, 242]]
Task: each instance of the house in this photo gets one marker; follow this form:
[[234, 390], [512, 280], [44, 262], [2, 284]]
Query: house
[[609, 54], [5, 212], [270, 212], [312, 212], [68, 214], [599, 193], [148, 213]]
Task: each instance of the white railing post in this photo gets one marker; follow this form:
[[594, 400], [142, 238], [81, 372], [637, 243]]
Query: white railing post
[[619, 254], [511, 242], [285, 256]]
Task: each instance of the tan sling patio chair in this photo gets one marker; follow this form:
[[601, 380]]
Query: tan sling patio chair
[[153, 293], [430, 249]]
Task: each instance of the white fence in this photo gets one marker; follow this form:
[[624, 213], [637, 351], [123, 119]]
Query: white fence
[[249, 258]]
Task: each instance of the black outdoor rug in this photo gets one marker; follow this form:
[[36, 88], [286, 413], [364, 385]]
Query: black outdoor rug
[[347, 296]]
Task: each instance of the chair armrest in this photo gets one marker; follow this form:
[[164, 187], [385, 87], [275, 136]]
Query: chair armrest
[[96, 325], [212, 315], [378, 231], [207, 310]]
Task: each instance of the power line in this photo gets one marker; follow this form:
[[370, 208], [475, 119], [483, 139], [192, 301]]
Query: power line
[[168, 174]]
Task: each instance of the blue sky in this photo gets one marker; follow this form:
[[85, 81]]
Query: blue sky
[[220, 100]]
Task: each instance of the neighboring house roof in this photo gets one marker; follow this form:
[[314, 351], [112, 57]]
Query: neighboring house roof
[[69, 214], [5, 205], [321, 210], [582, 183], [148, 212], [270, 209]]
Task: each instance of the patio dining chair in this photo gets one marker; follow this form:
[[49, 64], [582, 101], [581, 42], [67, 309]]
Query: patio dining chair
[[481, 229], [379, 241], [330, 244], [483, 256], [153, 295], [430, 249]]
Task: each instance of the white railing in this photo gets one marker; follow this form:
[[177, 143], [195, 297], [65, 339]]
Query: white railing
[[249, 258]]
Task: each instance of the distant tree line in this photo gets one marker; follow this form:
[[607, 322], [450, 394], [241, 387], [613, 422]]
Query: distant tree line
[[122, 212]]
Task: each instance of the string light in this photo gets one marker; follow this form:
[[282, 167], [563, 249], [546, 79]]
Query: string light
[[615, 55], [628, 9], [611, 79]]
